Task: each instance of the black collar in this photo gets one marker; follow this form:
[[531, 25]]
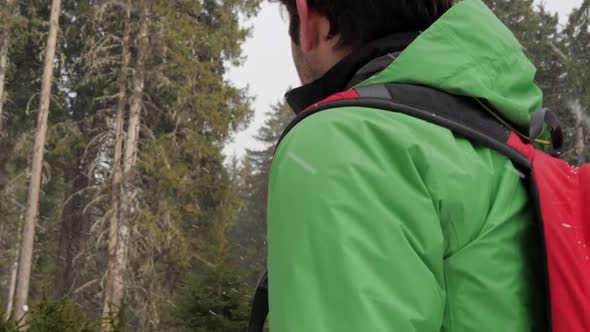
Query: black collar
[[343, 73]]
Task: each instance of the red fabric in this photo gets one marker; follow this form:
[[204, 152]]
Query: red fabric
[[564, 194], [348, 94]]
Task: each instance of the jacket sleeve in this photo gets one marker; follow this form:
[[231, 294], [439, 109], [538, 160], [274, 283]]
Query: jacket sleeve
[[355, 242]]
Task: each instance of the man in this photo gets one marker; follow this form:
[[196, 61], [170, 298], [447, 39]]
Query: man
[[378, 221]]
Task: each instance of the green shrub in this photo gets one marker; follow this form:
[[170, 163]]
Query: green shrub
[[8, 326], [209, 305], [59, 315]]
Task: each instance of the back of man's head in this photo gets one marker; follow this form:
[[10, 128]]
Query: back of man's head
[[357, 22]]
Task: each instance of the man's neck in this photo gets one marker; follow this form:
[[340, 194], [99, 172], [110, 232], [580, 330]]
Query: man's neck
[[344, 70]]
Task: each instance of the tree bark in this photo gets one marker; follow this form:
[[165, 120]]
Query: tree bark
[[13, 275], [73, 221], [108, 309], [11, 290], [128, 207], [576, 108], [28, 234], [3, 66]]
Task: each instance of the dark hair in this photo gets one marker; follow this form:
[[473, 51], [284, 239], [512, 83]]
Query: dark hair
[[361, 21]]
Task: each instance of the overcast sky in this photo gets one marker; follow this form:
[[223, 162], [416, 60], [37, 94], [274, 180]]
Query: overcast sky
[[268, 71]]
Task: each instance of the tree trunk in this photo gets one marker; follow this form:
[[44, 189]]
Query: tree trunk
[[3, 64], [108, 309], [28, 234], [12, 288], [576, 108], [72, 225], [128, 207], [13, 274]]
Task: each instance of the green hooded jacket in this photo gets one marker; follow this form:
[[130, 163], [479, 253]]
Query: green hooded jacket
[[378, 221]]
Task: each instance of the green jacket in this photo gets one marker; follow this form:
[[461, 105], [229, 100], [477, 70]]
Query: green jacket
[[378, 221]]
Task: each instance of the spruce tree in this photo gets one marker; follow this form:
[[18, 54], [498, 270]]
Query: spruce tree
[[251, 228], [576, 56]]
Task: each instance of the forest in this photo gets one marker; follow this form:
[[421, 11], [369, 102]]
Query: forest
[[118, 209]]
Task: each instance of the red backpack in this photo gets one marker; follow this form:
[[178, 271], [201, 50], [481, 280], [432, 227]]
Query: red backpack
[[560, 192]]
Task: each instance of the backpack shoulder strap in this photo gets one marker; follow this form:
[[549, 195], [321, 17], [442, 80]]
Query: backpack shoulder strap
[[259, 306], [463, 115]]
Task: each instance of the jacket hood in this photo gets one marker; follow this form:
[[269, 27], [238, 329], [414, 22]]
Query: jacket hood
[[470, 52]]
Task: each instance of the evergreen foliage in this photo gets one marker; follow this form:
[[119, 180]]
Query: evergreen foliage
[[50, 315], [206, 305], [186, 201], [59, 315], [255, 170]]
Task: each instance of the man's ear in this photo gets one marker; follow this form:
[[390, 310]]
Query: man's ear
[[309, 29]]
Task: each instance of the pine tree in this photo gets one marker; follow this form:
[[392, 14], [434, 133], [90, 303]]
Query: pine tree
[[68, 154], [15, 141], [117, 170], [129, 193], [26, 249], [190, 114], [4, 46], [184, 199], [576, 56], [251, 228]]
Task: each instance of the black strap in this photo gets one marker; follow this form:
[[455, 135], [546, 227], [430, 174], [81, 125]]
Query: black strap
[[259, 306], [538, 122], [462, 115]]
